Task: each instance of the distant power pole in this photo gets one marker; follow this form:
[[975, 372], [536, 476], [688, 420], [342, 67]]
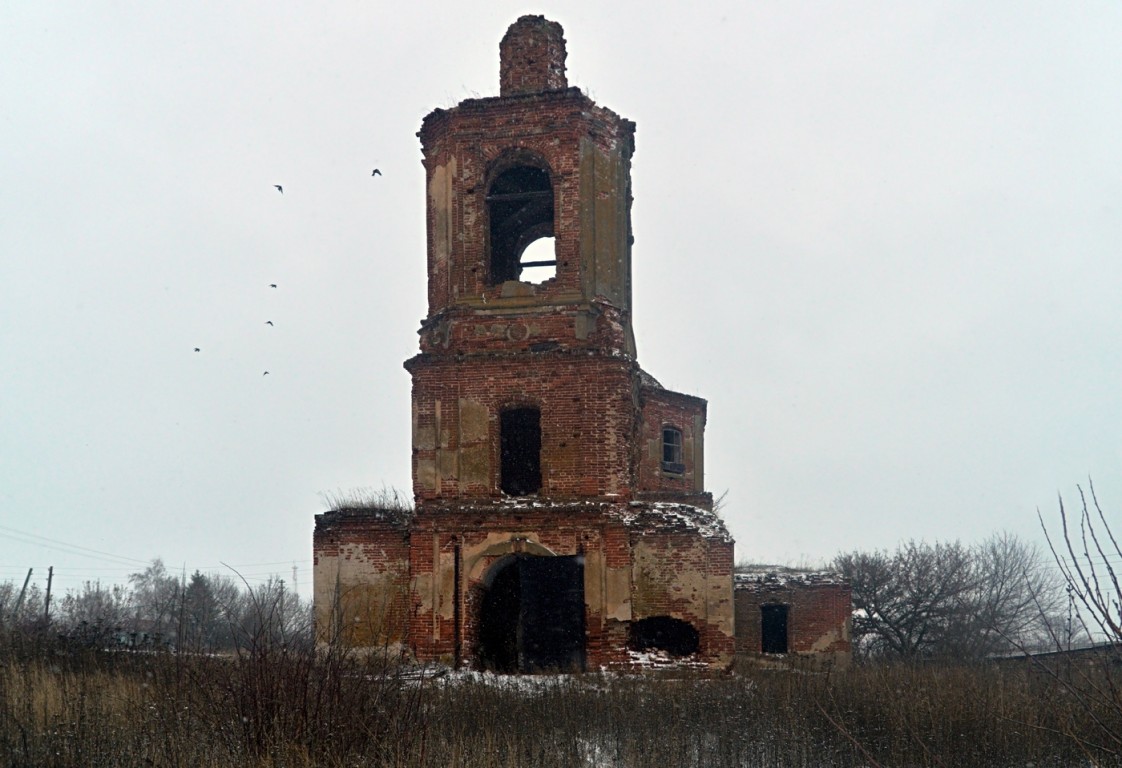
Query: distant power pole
[[47, 601], [294, 588], [19, 600]]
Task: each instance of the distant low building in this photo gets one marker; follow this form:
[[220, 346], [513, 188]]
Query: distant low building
[[783, 611], [1083, 658]]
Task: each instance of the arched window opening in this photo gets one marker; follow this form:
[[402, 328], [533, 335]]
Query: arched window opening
[[520, 438], [773, 628], [539, 261], [672, 451], [520, 209], [663, 633]]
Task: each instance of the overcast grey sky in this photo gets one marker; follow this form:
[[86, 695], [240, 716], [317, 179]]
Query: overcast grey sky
[[881, 238]]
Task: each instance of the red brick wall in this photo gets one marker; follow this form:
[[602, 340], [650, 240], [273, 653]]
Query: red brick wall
[[818, 618], [563, 346], [686, 577], [663, 408], [361, 578], [411, 576], [571, 530], [470, 141], [587, 420], [525, 330]]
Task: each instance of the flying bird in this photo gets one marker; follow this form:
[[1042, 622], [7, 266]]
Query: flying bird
[[279, 188], [266, 373], [197, 349], [272, 285], [376, 172], [268, 322]]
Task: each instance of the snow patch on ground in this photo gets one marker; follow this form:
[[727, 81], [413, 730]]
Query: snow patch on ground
[[656, 659]]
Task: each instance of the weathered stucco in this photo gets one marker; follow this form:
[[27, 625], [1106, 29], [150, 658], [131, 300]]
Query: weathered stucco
[[361, 574]]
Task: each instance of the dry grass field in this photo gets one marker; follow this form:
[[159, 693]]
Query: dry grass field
[[274, 707]]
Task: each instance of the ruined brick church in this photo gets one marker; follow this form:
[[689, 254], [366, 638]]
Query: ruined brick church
[[560, 518]]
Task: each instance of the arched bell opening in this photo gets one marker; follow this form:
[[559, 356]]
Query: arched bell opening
[[520, 214]]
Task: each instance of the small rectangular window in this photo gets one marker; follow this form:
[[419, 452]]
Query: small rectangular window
[[672, 451], [520, 437]]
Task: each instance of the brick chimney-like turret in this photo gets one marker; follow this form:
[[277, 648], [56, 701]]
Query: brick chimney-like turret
[[532, 57]]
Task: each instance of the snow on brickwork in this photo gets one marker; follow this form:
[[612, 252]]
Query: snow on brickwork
[[779, 575], [669, 516]]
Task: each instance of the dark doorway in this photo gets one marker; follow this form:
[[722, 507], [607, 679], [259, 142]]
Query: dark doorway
[[664, 633], [498, 626], [532, 618], [773, 630], [521, 448]]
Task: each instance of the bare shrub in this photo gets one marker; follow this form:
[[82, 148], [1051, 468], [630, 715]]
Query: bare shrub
[[1088, 555]]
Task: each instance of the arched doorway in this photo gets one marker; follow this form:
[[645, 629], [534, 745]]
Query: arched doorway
[[532, 615]]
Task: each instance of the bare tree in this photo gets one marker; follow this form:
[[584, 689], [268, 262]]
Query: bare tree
[[156, 603], [950, 600], [271, 616], [95, 614], [17, 613], [904, 602], [1015, 598]]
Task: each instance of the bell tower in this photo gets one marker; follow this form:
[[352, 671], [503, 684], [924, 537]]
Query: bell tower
[[540, 162], [528, 337]]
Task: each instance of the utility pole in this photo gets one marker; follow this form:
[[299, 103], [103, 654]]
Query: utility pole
[[47, 601], [19, 600]]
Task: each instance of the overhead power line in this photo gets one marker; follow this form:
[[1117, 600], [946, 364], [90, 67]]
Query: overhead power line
[[62, 546]]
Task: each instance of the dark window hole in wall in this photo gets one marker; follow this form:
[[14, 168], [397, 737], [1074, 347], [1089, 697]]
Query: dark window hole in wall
[[773, 628], [672, 451], [520, 472], [663, 633]]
